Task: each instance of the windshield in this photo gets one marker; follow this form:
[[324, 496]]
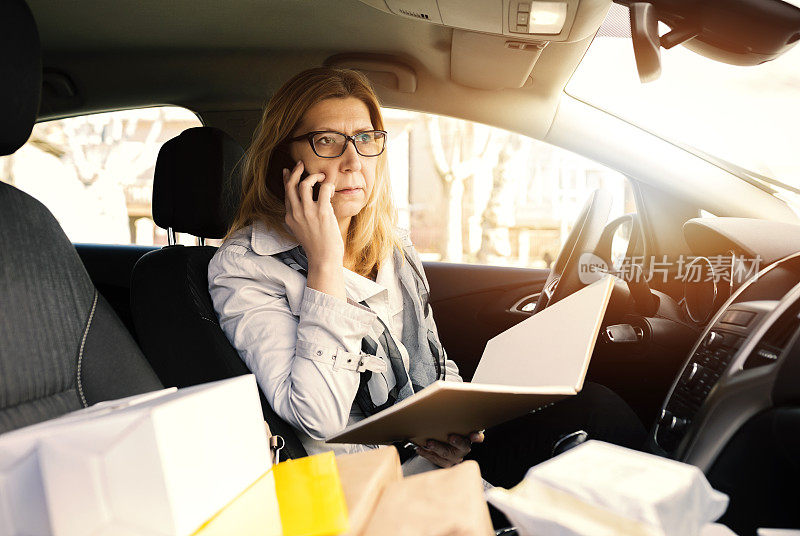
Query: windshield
[[749, 116]]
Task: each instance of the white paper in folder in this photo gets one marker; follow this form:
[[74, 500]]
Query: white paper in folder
[[550, 349], [534, 363], [160, 464]]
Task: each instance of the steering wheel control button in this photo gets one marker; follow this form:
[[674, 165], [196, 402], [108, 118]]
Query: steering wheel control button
[[677, 424], [713, 340], [692, 372], [672, 422]]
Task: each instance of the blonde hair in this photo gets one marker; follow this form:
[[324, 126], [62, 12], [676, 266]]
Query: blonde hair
[[371, 235]]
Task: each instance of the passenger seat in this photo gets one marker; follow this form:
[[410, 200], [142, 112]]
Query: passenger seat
[[196, 190], [62, 347]]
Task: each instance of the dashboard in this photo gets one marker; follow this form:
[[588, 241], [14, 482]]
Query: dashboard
[[750, 340], [729, 252]]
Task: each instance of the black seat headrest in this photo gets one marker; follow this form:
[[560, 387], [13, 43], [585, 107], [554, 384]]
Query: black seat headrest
[[197, 182], [21, 72]]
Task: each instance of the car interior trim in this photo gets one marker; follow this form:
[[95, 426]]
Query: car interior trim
[[744, 392]]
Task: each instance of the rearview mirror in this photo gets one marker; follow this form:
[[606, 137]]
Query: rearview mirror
[[646, 41], [738, 32]]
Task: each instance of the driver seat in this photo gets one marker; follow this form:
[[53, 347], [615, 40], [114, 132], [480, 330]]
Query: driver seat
[[196, 190]]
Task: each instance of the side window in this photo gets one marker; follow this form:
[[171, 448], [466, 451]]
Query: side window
[[470, 193], [95, 172]]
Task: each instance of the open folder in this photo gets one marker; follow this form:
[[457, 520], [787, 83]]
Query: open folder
[[530, 365]]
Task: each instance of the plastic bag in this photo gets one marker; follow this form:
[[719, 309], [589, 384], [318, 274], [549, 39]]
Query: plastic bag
[[599, 489]]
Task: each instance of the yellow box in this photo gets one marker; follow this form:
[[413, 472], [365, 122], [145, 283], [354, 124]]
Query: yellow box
[[310, 496], [253, 513]]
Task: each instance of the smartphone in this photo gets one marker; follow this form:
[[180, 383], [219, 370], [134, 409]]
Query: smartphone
[[279, 161]]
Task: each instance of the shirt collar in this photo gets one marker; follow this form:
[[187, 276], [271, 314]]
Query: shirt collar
[[389, 278], [268, 242], [264, 241], [361, 288]]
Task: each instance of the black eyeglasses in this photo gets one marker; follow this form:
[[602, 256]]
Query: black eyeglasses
[[332, 144]]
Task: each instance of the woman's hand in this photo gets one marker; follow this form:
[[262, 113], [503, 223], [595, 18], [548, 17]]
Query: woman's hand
[[314, 225], [448, 455]]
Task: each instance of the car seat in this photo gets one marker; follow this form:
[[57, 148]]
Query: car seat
[[196, 190], [62, 347]]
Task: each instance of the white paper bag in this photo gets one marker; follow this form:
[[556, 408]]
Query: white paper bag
[[160, 465], [598, 488], [23, 507]]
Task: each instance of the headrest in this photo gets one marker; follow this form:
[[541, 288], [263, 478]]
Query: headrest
[[21, 72], [197, 182]]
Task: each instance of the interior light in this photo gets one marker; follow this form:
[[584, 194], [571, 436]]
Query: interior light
[[547, 17]]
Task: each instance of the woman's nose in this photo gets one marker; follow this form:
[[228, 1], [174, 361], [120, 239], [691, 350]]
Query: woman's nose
[[350, 160]]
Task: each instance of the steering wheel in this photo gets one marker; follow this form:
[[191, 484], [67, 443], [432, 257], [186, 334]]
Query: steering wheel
[[564, 278]]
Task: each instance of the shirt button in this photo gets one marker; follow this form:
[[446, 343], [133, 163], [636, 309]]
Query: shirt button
[[319, 352]]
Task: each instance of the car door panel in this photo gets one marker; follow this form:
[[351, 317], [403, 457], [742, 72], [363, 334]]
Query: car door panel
[[473, 303]]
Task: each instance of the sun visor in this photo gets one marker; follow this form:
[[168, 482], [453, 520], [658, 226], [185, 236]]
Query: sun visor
[[491, 62]]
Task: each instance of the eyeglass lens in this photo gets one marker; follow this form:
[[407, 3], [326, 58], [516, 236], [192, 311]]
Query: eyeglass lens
[[332, 144]]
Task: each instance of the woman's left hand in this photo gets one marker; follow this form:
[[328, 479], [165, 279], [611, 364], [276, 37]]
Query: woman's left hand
[[448, 455]]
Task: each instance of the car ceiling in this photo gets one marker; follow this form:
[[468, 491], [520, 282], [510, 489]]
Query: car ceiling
[[216, 57]]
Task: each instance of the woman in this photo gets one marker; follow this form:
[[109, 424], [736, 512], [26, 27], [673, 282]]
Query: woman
[[325, 300]]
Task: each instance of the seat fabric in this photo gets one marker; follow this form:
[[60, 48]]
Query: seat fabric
[[61, 345]]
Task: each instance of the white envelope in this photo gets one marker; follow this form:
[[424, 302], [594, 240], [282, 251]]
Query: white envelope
[[159, 464]]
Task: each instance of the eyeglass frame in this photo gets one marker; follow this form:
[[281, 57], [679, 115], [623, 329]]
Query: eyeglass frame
[[309, 136]]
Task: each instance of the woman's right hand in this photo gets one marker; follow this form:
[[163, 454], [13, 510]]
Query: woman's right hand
[[445, 455], [314, 225]]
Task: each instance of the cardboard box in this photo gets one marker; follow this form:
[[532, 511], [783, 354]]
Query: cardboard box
[[156, 464], [445, 501], [364, 476]]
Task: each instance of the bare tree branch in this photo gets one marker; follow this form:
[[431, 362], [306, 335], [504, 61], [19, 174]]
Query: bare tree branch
[[437, 149]]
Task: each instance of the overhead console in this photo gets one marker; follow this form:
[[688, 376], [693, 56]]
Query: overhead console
[[497, 42], [552, 20]]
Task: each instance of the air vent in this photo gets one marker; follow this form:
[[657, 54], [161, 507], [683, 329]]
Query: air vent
[[777, 338], [417, 15], [424, 10]]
